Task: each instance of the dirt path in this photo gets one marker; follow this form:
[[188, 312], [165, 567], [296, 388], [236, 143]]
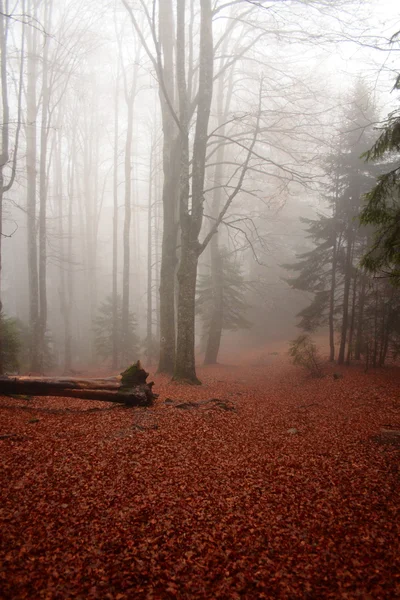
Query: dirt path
[[293, 494]]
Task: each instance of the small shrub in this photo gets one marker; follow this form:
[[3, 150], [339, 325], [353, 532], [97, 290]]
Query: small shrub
[[10, 343], [304, 353]]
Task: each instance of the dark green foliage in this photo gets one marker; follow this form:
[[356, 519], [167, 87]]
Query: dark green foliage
[[25, 336], [330, 271], [315, 315], [15, 345], [234, 302], [304, 353], [103, 330], [384, 253], [382, 208], [11, 343], [314, 272]]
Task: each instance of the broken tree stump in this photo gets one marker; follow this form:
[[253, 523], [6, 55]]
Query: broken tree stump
[[130, 388]]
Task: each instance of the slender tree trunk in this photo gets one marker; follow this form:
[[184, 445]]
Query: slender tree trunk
[[376, 333], [360, 320], [4, 142], [386, 335], [216, 323], [157, 236], [126, 234], [382, 335], [115, 337], [352, 320], [58, 194], [149, 327], [90, 222], [217, 274], [332, 302], [43, 183], [31, 133], [346, 296], [130, 94], [70, 281]]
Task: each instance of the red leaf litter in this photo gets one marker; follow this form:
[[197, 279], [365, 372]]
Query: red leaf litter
[[287, 487]]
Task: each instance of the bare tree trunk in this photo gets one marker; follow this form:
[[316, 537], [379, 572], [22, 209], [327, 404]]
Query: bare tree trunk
[[168, 263], [170, 193], [332, 303], [157, 236], [115, 340], [4, 142], [387, 330], [216, 323], [217, 274], [360, 320], [5, 132], [31, 133], [376, 334], [352, 320], [185, 368], [70, 280], [127, 228], [43, 183], [346, 296], [191, 221], [90, 223], [382, 334], [149, 325], [4, 155]]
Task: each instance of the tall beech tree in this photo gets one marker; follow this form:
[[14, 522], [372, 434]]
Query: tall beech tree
[[7, 180], [31, 159], [186, 90], [163, 60]]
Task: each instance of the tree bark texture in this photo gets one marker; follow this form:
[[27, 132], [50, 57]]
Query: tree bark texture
[[215, 331], [191, 218], [187, 275], [130, 389], [170, 192]]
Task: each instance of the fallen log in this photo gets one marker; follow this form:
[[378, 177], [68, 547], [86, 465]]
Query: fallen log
[[130, 388]]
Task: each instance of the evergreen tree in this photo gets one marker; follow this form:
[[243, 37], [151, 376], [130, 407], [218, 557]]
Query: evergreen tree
[[231, 305], [103, 331], [330, 271], [382, 208]]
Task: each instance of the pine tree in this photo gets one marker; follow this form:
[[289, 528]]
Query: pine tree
[[317, 271], [382, 208], [231, 305], [330, 271], [103, 331]]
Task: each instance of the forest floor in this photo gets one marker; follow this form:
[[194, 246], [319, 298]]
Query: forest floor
[[287, 489]]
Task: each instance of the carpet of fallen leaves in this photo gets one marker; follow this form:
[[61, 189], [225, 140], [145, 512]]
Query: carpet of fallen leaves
[[289, 488]]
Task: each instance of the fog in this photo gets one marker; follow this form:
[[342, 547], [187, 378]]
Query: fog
[[162, 166]]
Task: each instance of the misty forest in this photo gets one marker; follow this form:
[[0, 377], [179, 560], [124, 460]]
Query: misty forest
[[204, 193]]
